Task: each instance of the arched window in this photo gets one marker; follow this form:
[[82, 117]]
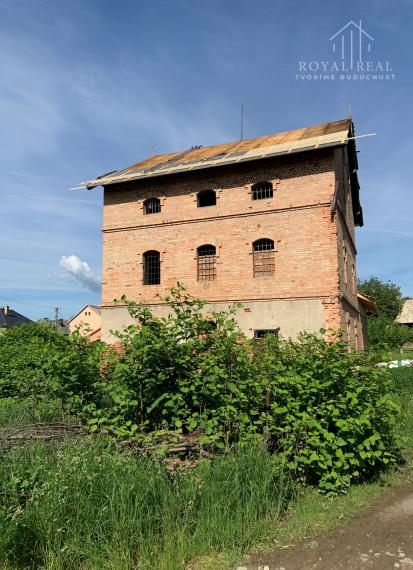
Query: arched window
[[151, 268], [262, 190], [152, 206], [206, 198], [206, 258], [263, 257]]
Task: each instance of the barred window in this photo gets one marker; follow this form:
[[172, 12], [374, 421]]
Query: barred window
[[152, 206], [261, 333], [206, 259], [151, 268], [206, 198], [263, 257], [262, 190]]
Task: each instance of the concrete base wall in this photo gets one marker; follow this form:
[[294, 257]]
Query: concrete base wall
[[292, 316]]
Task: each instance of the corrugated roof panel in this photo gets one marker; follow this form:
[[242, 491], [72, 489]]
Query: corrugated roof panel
[[298, 140]]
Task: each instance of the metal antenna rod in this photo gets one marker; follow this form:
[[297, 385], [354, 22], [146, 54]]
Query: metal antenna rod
[[242, 120]]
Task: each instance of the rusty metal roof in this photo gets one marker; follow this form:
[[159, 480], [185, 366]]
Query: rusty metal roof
[[197, 158]]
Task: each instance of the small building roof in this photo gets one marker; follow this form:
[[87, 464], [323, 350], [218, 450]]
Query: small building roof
[[406, 314], [196, 158], [11, 318], [368, 302], [96, 308]]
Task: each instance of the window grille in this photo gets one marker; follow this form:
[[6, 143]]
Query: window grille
[[262, 191], [207, 267], [260, 333], [151, 268], [206, 198], [152, 206], [263, 257]]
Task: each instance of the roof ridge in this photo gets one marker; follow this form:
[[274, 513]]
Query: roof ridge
[[323, 134]]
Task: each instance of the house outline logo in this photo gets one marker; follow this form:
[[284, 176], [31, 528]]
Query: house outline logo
[[351, 59], [352, 41]]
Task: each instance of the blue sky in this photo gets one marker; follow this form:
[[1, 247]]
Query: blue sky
[[91, 86]]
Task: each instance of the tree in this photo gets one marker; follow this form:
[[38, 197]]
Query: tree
[[388, 296], [382, 328]]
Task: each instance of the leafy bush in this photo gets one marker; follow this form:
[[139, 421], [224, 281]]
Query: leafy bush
[[186, 371], [23, 358], [325, 410], [329, 411], [39, 362], [87, 505], [385, 333]]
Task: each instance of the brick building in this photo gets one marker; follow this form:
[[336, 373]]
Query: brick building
[[269, 222]]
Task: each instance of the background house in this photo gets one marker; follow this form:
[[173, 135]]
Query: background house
[[406, 315], [88, 321], [10, 318]]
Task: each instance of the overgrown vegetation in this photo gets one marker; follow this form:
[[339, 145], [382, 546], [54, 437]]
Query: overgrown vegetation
[[90, 506], [402, 380], [332, 416], [274, 414], [327, 412], [383, 331]]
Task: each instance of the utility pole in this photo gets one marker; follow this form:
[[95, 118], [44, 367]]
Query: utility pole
[[56, 316]]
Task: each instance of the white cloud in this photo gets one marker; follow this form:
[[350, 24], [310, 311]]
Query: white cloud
[[80, 271]]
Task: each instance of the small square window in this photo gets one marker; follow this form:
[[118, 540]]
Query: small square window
[[152, 206], [261, 333], [206, 198], [262, 191]]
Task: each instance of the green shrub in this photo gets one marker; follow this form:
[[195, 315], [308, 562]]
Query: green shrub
[[384, 332], [329, 411], [39, 362], [24, 354], [326, 411], [187, 371]]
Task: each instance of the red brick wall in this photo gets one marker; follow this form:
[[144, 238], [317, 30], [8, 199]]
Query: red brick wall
[[350, 320], [308, 239]]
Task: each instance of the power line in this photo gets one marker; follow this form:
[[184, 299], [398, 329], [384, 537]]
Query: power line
[[37, 305]]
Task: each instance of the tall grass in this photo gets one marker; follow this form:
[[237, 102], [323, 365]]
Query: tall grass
[[86, 506], [403, 394], [24, 411]]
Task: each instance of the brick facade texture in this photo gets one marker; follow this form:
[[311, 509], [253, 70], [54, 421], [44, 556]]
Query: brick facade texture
[[314, 241]]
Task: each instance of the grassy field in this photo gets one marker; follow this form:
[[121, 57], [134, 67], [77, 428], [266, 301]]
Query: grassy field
[[86, 506]]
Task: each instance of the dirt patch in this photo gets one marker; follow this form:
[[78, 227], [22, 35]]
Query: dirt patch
[[382, 538]]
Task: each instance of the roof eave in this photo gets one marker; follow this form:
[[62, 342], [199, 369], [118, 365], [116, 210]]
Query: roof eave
[[368, 302], [95, 183]]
